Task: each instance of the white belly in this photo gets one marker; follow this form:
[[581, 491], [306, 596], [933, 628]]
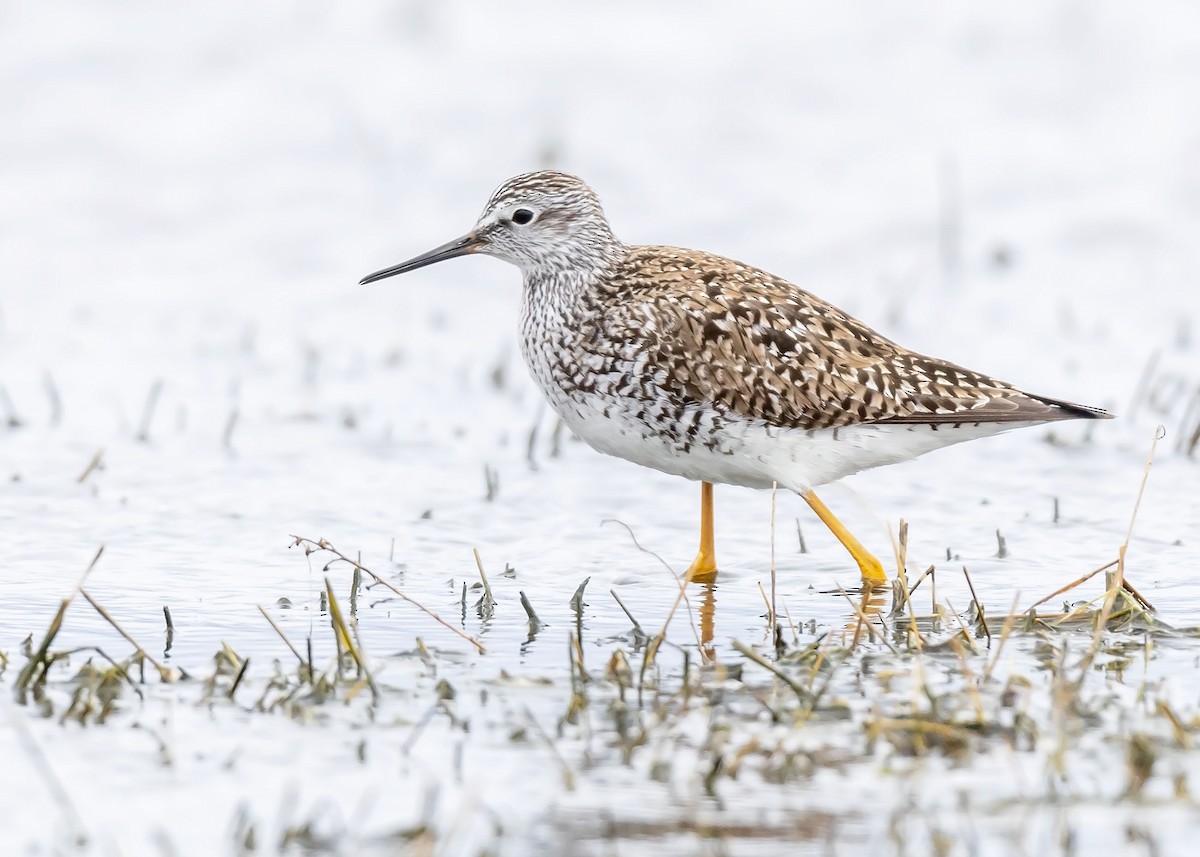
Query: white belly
[[756, 455]]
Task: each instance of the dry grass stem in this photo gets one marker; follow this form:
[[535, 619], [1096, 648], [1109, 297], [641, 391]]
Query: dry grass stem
[[282, 635], [800, 690], [535, 624], [164, 673], [488, 599], [978, 607], [772, 612], [1071, 585], [39, 661], [311, 547], [1119, 576], [346, 641], [865, 622], [681, 597], [92, 466], [1010, 622], [636, 627]]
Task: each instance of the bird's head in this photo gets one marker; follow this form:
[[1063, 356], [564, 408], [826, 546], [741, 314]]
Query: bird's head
[[539, 220]]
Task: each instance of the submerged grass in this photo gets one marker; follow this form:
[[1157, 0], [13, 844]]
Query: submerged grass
[[720, 740], [892, 685]]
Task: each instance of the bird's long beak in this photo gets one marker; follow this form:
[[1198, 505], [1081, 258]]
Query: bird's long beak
[[469, 243]]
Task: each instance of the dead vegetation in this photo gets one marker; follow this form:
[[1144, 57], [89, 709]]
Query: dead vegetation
[[908, 687]]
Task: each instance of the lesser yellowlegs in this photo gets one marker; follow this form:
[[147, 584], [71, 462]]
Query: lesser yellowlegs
[[706, 368]]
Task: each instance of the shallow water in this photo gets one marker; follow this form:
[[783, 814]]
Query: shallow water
[[191, 197]]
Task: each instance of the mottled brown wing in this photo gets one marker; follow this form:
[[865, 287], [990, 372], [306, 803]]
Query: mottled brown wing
[[759, 347]]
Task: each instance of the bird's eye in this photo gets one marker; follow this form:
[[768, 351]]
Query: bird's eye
[[522, 216]]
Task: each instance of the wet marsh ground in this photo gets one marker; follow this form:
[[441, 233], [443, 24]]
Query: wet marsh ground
[[190, 378]]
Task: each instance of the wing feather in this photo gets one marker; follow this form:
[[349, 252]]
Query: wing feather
[[751, 344]]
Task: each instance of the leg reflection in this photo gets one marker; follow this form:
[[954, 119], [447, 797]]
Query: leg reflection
[[708, 612], [867, 607]]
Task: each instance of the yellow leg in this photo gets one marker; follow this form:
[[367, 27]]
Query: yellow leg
[[704, 566], [872, 569]]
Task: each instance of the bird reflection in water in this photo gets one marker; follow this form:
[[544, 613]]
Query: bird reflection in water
[[862, 618]]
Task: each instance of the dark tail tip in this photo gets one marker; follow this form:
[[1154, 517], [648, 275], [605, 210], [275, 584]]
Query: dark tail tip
[[1072, 411]]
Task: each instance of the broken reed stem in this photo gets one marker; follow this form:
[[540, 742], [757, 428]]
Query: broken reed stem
[[1063, 618], [1132, 590], [859, 624], [38, 660], [681, 582], [282, 635], [119, 668], [346, 641], [237, 680], [164, 673], [575, 653], [1110, 596], [1159, 433], [815, 695], [819, 660], [655, 642], [97, 458], [772, 612], [1010, 622], [14, 421], [961, 624], [487, 589], [901, 547], [800, 690], [230, 425], [932, 591], [170, 635], [148, 411], [864, 622], [909, 594], [535, 624], [621, 604], [1071, 585], [577, 603], [971, 685], [652, 649], [311, 546], [978, 607], [56, 408], [767, 604], [791, 624]]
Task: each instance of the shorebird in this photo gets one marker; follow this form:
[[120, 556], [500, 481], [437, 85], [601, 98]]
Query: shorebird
[[716, 371]]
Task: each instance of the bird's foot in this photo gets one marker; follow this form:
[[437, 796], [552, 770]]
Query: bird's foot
[[703, 568], [873, 575]]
